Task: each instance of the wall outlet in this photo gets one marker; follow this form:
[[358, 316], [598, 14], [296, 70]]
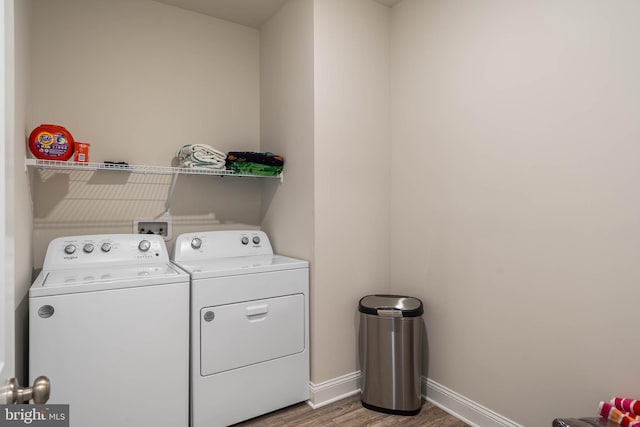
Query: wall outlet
[[160, 227]]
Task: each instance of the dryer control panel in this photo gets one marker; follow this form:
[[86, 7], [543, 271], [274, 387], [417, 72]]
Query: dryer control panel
[[78, 251], [221, 244]]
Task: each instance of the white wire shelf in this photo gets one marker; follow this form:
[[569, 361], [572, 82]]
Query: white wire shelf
[[160, 170]]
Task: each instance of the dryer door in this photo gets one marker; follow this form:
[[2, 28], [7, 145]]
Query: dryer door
[[241, 334]]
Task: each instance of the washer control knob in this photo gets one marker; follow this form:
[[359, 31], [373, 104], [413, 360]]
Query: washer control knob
[[69, 249], [106, 247], [196, 243], [245, 240], [144, 245], [256, 240], [88, 248]]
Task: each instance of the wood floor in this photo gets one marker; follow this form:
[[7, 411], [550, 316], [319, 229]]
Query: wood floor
[[350, 413]]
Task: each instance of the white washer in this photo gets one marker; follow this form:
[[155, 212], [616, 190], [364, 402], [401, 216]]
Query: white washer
[[249, 326], [109, 325]]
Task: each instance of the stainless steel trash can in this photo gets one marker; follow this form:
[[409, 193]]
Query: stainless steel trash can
[[390, 336]]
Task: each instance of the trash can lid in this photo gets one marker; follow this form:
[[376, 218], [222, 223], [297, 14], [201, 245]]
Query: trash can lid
[[391, 305]]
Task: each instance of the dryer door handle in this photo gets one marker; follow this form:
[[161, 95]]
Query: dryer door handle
[[255, 311]]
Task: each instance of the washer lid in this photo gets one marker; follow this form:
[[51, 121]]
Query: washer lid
[[220, 267], [97, 279]]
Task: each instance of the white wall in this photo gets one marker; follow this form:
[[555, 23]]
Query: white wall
[[515, 214], [286, 101], [325, 106], [352, 171], [286, 105], [22, 205], [137, 80]]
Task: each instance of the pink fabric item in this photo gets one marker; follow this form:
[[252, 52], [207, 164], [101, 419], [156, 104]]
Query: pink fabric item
[[626, 405], [612, 413], [630, 415]]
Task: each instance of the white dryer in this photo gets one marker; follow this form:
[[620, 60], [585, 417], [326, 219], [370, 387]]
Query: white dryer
[[249, 326], [109, 325]]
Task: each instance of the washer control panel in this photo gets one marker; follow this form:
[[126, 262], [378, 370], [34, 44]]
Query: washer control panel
[[221, 244], [98, 248]]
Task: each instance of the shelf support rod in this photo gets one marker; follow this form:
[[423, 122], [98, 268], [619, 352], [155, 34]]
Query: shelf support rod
[[167, 205]]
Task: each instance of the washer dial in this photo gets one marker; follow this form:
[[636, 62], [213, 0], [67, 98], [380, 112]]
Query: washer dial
[[144, 245], [196, 243]]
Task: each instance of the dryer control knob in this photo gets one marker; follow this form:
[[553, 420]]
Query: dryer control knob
[[196, 243], [69, 249], [245, 240], [88, 248], [106, 247], [256, 240], [144, 245]]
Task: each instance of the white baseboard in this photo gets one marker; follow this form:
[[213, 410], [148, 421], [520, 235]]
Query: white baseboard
[[446, 399], [462, 407], [330, 391]]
